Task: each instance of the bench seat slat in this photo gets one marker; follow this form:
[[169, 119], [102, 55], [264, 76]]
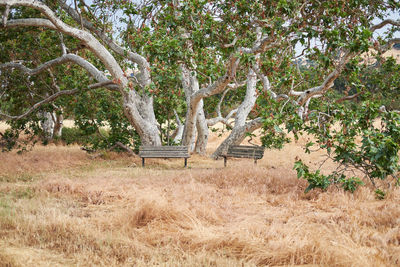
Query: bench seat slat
[[245, 155], [247, 147], [163, 148], [164, 152], [162, 156], [254, 152], [245, 152]]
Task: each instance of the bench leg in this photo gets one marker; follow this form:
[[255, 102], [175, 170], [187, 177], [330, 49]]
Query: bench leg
[[142, 162], [255, 161], [185, 162], [224, 161]]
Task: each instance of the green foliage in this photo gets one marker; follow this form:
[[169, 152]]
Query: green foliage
[[315, 180], [318, 180], [377, 153], [75, 135], [351, 184], [356, 137], [380, 79], [22, 135], [382, 82], [380, 194], [93, 113], [275, 114], [201, 35]]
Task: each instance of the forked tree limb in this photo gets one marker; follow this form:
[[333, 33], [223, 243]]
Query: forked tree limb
[[220, 118], [143, 65], [86, 37], [219, 85], [89, 67]]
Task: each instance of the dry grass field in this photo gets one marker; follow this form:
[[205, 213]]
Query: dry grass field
[[59, 207]]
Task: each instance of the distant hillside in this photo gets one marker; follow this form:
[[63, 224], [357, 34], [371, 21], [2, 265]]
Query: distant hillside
[[394, 52]]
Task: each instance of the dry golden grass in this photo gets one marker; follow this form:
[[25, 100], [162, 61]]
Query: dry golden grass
[[3, 126], [58, 207]]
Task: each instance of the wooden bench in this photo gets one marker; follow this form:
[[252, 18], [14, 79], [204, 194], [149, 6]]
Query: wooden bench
[[252, 152], [164, 152]]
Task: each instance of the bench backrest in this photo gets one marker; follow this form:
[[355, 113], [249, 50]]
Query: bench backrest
[[256, 152], [164, 152]]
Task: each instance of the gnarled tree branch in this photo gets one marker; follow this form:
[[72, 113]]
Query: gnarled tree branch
[[219, 118], [143, 65], [32, 22], [219, 85], [52, 98], [87, 38], [90, 68], [384, 23]]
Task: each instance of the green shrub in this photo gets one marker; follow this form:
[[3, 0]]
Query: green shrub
[[75, 135]]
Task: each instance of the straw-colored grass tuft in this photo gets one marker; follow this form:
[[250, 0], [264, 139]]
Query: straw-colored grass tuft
[[58, 207]]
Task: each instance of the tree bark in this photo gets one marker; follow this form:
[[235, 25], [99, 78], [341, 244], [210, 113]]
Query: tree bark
[[47, 124], [193, 97], [202, 131], [140, 112], [178, 133], [138, 109], [240, 127], [237, 136], [51, 124], [58, 124], [190, 85]]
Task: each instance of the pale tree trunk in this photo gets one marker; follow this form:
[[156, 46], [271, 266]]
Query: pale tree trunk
[[192, 144], [194, 97], [138, 109], [240, 129], [249, 100], [202, 131], [47, 124], [237, 136], [51, 124], [178, 133], [140, 112], [195, 123], [58, 125], [190, 85]]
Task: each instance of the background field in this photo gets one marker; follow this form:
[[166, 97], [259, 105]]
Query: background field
[[60, 207]]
